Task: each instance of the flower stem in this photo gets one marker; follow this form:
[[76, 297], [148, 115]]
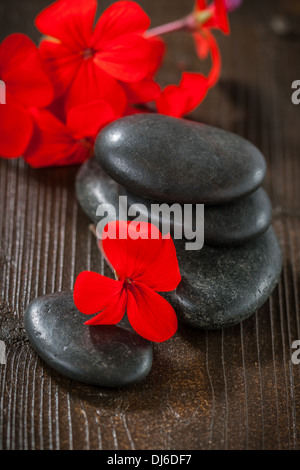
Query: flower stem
[[184, 24]]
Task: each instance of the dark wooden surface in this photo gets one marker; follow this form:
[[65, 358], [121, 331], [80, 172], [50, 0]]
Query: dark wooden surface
[[232, 389]]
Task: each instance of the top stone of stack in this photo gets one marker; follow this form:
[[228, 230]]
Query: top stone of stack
[[175, 160]]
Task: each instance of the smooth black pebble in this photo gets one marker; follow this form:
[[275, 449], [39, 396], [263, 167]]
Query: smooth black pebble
[[230, 224], [224, 225], [108, 356], [175, 160], [223, 286], [238, 222]]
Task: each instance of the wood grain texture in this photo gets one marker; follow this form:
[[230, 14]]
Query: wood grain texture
[[231, 389]]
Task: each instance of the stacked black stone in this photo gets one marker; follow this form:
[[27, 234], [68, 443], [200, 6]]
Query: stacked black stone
[[151, 158], [157, 159]]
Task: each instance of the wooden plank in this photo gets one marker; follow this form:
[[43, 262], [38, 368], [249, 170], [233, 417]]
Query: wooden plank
[[231, 389]]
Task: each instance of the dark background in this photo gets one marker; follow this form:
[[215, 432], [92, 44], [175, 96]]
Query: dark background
[[231, 389]]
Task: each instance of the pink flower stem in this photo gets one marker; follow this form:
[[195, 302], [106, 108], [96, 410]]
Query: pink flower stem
[[184, 24]]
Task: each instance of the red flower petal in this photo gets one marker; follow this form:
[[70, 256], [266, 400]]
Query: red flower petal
[[201, 45], [147, 89], [23, 72], [204, 43], [221, 16], [95, 293], [69, 21], [150, 315], [85, 88], [135, 255], [86, 120], [126, 58], [53, 144], [219, 19], [162, 275], [121, 18], [16, 130], [196, 86], [129, 248], [57, 108], [200, 5], [62, 64], [113, 314], [142, 92], [120, 49], [172, 101], [156, 55], [179, 100], [215, 71]]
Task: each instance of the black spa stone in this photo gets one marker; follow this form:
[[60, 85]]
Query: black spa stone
[[109, 356], [223, 286], [225, 225], [238, 222], [228, 224], [175, 160]]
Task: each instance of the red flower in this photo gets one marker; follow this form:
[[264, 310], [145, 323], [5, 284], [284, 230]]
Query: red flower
[[26, 85], [81, 57], [55, 143], [180, 100], [212, 16], [99, 74], [143, 267]]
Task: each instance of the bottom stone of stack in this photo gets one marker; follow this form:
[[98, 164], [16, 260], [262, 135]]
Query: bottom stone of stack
[[223, 286]]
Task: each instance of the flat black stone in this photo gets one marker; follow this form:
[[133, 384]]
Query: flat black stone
[[228, 224], [108, 356], [223, 286], [175, 160], [224, 225], [238, 222]]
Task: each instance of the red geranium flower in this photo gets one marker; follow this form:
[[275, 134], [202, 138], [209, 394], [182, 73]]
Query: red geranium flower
[[207, 18], [80, 56], [27, 85], [56, 143], [213, 15], [180, 100], [145, 263]]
